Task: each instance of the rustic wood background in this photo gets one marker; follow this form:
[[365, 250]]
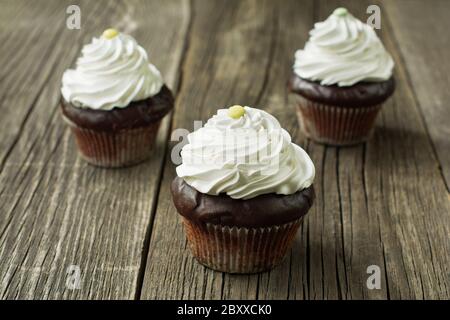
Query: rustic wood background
[[383, 203]]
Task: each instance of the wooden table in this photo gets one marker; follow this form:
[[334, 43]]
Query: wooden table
[[384, 203]]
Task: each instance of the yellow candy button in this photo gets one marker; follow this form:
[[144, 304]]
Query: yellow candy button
[[236, 111], [110, 33], [340, 12]]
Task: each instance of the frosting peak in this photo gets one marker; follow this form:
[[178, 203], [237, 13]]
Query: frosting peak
[[244, 157], [343, 50], [113, 71]]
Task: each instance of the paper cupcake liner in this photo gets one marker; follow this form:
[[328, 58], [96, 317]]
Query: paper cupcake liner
[[115, 149], [336, 125], [239, 249]]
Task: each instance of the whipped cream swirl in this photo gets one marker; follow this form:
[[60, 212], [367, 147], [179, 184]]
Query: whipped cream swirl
[[111, 72], [343, 50], [244, 157]]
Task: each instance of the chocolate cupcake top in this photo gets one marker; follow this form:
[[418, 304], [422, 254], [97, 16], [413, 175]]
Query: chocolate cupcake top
[[112, 72], [361, 94], [261, 211], [243, 152], [343, 51], [138, 114]]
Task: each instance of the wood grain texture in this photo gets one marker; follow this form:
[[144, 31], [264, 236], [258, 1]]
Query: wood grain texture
[[406, 189], [383, 203], [420, 30], [377, 204], [56, 210]]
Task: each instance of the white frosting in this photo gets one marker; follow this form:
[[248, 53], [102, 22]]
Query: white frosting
[[342, 50], [244, 157], [111, 73]]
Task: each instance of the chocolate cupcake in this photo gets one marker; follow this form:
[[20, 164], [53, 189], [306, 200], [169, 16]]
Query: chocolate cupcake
[[242, 191], [114, 101], [340, 80]]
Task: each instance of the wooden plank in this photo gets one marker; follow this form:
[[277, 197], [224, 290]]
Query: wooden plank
[[231, 48], [407, 192], [290, 31], [401, 184], [27, 56], [329, 258], [56, 210], [420, 31]]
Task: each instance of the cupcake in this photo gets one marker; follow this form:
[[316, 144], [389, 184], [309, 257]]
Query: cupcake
[[340, 80], [242, 190], [114, 101]]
